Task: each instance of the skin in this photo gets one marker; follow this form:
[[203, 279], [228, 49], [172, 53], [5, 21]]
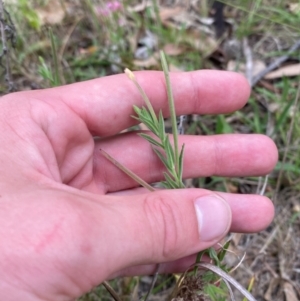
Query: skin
[[70, 219]]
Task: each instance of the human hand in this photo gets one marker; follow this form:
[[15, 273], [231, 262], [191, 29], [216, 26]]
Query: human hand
[[70, 219]]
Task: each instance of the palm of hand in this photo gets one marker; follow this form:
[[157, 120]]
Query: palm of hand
[[59, 196]]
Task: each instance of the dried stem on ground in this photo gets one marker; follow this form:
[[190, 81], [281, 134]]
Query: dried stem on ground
[[275, 64]]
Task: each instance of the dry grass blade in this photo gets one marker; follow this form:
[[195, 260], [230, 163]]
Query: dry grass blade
[[111, 291], [229, 289], [127, 171], [228, 278]]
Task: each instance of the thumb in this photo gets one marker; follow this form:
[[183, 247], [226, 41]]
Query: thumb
[[161, 226]]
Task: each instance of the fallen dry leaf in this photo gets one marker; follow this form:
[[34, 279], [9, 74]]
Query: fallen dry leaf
[[139, 7], [232, 188], [173, 50], [290, 70], [274, 283], [236, 66], [52, 13], [166, 13], [150, 62], [173, 68], [289, 292], [294, 8], [269, 86], [199, 41], [90, 50]]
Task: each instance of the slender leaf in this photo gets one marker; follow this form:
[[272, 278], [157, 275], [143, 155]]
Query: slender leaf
[[169, 154], [150, 139], [166, 185], [149, 125], [137, 110], [180, 171], [171, 107], [223, 252], [161, 126], [213, 255], [170, 181], [162, 158]]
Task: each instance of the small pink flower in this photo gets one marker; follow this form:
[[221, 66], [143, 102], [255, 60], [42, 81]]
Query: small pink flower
[[114, 5], [110, 7]]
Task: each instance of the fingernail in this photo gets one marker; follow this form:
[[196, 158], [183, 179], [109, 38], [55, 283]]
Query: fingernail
[[214, 217]]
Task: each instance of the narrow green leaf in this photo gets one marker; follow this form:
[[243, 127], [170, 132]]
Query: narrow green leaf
[[162, 158], [169, 152], [171, 107], [170, 181], [223, 252], [145, 114], [137, 110], [213, 255], [161, 126], [166, 185], [150, 126], [214, 292], [150, 139], [145, 118], [180, 171]]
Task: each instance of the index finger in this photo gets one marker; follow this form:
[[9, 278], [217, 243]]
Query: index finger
[[105, 104]]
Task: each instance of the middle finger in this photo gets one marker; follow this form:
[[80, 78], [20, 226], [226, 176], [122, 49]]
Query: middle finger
[[218, 155]]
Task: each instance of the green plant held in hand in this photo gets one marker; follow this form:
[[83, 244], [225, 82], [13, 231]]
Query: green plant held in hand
[[168, 154], [172, 159]]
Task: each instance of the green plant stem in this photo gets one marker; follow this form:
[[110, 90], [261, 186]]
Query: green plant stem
[[143, 94], [172, 109]]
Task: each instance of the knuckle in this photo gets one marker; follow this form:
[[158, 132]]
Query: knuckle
[[163, 216]]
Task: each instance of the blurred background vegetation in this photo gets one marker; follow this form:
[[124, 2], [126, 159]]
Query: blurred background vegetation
[[53, 42]]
